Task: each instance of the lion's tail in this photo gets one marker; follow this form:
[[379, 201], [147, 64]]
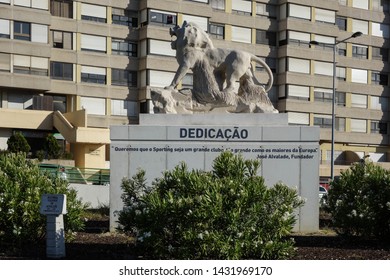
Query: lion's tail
[[269, 72]]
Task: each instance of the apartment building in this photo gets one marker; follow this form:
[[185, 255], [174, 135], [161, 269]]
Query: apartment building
[[76, 67]]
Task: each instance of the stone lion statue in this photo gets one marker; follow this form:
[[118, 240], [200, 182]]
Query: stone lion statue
[[194, 46], [215, 73]]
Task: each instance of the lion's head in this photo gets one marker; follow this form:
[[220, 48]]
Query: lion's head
[[190, 35]]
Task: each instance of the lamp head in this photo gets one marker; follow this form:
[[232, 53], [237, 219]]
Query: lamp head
[[357, 34]]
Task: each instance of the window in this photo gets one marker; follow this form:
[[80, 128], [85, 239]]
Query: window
[[93, 106], [298, 92], [120, 77], [263, 9], [95, 75], [61, 71], [378, 127], [360, 4], [218, 4], [380, 5], [298, 11], [340, 98], [4, 28], [359, 76], [323, 68], [22, 30], [323, 121], [298, 38], [93, 12], [295, 118], [217, 31], [342, 49], [200, 1], [340, 73], [380, 30], [162, 18], [31, 65], [124, 17], [36, 4], [161, 48], [359, 51], [325, 42], [202, 22], [358, 101], [30, 32], [39, 33], [341, 22], [323, 94], [242, 7], [159, 78], [241, 34], [378, 78], [360, 25], [93, 43], [379, 103], [5, 62], [62, 40], [270, 61], [339, 124], [380, 54], [61, 8], [298, 65], [123, 47], [325, 16], [265, 37], [124, 108], [358, 125]]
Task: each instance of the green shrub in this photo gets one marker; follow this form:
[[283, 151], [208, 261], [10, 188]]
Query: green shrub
[[227, 213], [359, 201], [53, 149], [40, 154], [21, 187], [18, 143]]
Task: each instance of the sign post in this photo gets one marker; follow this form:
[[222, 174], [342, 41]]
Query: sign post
[[54, 206]]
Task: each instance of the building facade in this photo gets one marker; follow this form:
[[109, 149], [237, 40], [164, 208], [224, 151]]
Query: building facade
[[76, 67]]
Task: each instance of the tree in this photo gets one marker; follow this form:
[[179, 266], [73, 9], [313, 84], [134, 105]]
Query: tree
[[21, 186], [18, 143], [52, 147]]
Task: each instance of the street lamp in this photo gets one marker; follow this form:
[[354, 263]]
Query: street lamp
[[354, 35]]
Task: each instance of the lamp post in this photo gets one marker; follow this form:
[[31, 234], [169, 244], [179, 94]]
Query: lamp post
[[354, 35]]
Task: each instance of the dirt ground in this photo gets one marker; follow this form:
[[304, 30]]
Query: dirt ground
[[95, 243]]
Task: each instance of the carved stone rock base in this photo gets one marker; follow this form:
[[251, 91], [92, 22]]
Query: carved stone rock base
[[252, 99]]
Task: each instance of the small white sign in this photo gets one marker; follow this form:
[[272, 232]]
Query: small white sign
[[53, 204]]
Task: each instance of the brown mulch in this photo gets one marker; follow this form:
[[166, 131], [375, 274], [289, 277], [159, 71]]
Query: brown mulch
[[96, 243]]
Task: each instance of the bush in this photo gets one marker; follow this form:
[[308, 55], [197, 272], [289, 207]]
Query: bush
[[359, 201], [21, 187], [227, 213], [40, 154], [52, 147], [18, 143]]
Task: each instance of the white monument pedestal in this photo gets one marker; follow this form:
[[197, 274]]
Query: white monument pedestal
[[55, 236], [288, 154], [54, 206]]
